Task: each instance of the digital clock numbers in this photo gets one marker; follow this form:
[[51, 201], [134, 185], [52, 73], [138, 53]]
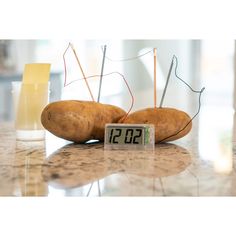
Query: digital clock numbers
[[129, 136]]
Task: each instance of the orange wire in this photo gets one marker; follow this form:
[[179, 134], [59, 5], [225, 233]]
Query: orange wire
[[155, 65]]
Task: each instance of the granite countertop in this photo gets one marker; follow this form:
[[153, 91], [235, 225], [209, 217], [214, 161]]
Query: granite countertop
[[53, 167]]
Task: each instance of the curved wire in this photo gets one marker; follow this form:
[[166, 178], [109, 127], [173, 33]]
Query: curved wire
[[176, 66], [127, 85], [77, 59], [127, 59], [199, 108], [64, 63], [193, 90]]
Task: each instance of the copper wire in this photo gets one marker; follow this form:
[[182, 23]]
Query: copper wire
[[155, 73], [77, 59]]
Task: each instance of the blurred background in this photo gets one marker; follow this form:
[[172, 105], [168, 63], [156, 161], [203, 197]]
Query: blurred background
[[206, 63]]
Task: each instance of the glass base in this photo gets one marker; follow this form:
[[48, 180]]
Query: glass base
[[30, 135]]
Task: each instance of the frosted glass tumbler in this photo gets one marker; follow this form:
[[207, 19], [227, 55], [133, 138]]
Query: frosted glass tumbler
[[29, 101]]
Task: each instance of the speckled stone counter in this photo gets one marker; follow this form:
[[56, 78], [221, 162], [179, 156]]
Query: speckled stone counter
[[54, 167]]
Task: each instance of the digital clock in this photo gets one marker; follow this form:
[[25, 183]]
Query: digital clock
[[129, 136]]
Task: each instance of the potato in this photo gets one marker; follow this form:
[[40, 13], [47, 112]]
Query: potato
[[79, 121], [168, 122]]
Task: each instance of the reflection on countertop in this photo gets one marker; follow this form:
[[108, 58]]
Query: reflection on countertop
[[78, 165], [200, 164]]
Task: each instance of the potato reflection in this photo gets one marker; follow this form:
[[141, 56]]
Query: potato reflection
[[77, 165], [166, 160]]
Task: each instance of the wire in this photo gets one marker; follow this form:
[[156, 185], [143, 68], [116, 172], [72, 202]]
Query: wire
[[176, 66], [127, 85], [65, 68], [193, 90], [77, 59], [128, 59]]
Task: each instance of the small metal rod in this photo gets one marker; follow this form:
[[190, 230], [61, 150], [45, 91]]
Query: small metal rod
[[99, 190], [167, 82], [101, 75], [153, 187], [162, 187], [90, 189]]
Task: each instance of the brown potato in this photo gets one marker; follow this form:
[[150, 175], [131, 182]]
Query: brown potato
[[79, 121], [168, 122]]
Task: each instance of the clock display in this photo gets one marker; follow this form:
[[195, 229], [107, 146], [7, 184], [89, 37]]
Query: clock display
[[127, 136]]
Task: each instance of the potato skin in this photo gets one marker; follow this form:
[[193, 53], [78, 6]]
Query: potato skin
[[167, 121], [79, 121]]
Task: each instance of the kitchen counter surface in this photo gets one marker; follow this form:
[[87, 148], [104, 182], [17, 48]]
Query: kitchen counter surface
[[200, 164]]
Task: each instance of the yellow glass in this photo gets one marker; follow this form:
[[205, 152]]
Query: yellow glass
[[29, 100]]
